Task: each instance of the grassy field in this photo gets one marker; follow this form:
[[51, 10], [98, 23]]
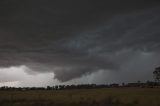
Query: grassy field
[[83, 97]]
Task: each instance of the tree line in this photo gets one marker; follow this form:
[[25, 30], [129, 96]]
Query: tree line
[[85, 86]]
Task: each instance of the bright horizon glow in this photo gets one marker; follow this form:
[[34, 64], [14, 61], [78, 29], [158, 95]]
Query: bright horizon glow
[[18, 76]]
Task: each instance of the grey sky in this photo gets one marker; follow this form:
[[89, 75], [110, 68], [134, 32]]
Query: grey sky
[[78, 39]]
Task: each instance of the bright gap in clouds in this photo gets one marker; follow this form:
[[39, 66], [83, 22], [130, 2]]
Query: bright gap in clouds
[[18, 76]]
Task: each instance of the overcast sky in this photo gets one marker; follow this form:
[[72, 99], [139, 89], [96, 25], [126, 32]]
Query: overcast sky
[[48, 42]]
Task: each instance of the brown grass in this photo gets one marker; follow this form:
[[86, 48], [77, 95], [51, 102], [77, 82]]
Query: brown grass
[[83, 97]]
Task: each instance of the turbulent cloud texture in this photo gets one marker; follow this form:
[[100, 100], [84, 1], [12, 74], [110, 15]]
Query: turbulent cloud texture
[[75, 38]]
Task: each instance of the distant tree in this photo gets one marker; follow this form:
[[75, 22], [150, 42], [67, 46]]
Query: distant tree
[[56, 87], [123, 84], [49, 88], [156, 74]]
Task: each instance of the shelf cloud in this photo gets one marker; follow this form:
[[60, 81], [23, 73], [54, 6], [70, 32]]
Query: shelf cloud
[[76, 38]]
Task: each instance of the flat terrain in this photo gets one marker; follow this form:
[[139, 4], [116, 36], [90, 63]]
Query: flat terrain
[[83, 97]]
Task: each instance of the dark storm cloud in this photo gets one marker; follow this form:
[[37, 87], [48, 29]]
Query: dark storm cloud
[[74, 38]]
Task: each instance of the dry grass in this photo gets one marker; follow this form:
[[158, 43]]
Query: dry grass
[[83, 97]]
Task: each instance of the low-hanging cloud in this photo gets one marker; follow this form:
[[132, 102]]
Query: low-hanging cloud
[[73, 39]]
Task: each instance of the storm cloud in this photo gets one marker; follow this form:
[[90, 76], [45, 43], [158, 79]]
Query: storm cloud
[[76, 38]]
